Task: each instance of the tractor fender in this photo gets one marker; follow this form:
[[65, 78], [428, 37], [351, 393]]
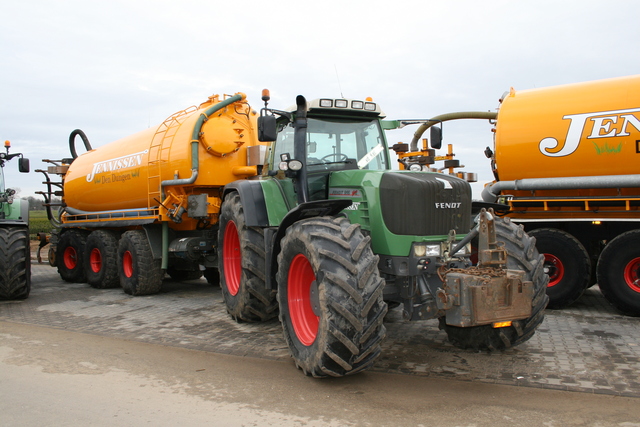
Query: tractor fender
[[251, 196], [302, 211]]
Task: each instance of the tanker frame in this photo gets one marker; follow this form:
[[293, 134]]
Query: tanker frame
[[296, 213], [566, 162]]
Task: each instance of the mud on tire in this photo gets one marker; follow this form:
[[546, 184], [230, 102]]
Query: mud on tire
[[242, 266], [15, 258], [522, 255], [330, 296]]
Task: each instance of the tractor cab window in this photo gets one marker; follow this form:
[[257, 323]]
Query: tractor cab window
[[337, 144]]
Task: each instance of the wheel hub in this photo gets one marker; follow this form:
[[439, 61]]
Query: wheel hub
[[632, 274]]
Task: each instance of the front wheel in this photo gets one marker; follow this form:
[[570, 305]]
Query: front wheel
[[140, 273], [521, 255], [330, 297], [619, 272]]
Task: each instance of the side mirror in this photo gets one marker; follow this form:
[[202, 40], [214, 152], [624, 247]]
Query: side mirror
[[436, 137], [23, 165], [267, 129]]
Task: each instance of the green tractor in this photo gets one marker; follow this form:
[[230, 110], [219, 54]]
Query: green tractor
[[15, 253], [329, 237]]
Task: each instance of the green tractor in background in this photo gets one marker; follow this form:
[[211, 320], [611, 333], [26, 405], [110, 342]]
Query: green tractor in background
[[15, 253]]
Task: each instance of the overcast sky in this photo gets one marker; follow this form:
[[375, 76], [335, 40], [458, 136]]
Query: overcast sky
[[113, 68]]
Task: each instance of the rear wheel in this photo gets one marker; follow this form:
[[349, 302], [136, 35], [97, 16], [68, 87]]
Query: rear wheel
[[330, 296], [15, 258], [101, 260], [521, 255], [242, 266], [140, 273], [70, 256], [619, 272], [567, 264]]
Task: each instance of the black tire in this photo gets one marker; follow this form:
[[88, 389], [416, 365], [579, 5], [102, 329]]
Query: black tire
[[213, 276], [330, 295], [101, 259], [183, 275], [567, 264], [242, 266], [15, 259], [522, 255], [140, 273], [619, 272], [70, 255]]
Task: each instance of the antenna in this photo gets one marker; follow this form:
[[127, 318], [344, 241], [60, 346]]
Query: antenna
[[338, 77]]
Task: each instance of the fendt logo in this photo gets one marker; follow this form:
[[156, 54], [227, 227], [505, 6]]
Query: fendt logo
[[606, 124], [444, 205]]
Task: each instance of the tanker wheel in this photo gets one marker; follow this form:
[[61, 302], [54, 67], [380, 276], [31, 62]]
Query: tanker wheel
[[522, 255], [70, 256], [619, 272], [567, 264], [101, 260], [140, 273], [15, 258], [330, 295], [242, 266]]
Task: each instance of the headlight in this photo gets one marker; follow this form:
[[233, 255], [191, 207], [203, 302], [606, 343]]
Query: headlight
[[295, 165], [421, 250], [415, 167]]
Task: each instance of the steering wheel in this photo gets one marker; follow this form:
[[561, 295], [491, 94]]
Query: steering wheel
[[339, 157]]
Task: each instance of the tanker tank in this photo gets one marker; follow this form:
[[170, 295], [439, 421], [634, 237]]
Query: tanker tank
[[587, 133], [128, 173]]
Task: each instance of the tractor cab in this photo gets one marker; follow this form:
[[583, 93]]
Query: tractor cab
[[334, 135]]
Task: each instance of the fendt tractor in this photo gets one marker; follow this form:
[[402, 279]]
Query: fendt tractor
[[15, 253], [566, 162], [296, 214]]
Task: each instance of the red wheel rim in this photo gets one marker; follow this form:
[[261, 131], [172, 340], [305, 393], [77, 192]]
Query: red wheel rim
[[305, 322], [95, 260], [232, 259], [70, 258], [632, 274], [127, 264], [554, 269]]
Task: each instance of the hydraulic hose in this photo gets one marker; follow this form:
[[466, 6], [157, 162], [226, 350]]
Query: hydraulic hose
[[488, 115], [72, 145]]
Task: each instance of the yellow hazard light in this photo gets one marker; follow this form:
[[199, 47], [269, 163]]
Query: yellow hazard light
[[502, 324], [7, 144]]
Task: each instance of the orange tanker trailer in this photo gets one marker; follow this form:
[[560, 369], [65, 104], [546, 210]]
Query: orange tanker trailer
[[566, 161], [162, 185]]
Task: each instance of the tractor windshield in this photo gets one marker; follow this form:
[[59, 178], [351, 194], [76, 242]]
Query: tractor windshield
[[336, 144]]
